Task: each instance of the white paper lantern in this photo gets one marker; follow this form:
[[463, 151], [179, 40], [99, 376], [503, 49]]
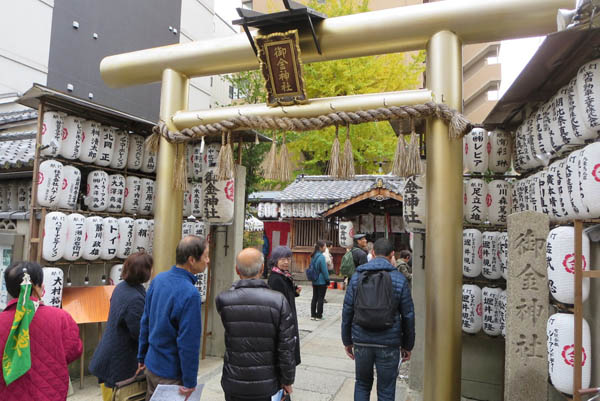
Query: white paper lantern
[[475, 146], [561, 130], [556, 182], [490, 267], [106, 146], [187, 228], [472, 252], [565, 176], [92, 238], [560, 332], [75, 237], [69, 191], [295, 209], [589, 177], [97, 191], [283, 210], [502, 301], [55, 236], [561, 264], [136, 152], [499, 197], [199, 229], [121, 150], [587, 98], [502, 253], [115, 274], [549, 126], [49, 183], [477, 201], [414, 204], [149, 161], [573, 185], [195, 162], [499, 145], [211, 155], [346, 234], [472, 309], [125, 241], [116, 193], [133, 193], [146, 196], [110, 238], [70, 147], [301, 210], [491, 311], [187, 203], [577, 115], [275, 210], [197, 206], [53, 286], [217, 199], [150, 237], [542, 137], [261, 210], [52, 131], [90, 141], [520, 149], [140, 235]]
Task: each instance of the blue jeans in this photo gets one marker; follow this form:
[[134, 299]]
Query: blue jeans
[[386, 361]]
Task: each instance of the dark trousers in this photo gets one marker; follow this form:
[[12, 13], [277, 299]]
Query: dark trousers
[[386, 361], [316, 305]]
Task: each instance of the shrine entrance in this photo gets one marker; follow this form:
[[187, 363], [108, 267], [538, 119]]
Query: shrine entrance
[[441, 28]]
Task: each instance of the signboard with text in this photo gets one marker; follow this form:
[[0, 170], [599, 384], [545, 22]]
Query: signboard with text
[[279, 56]]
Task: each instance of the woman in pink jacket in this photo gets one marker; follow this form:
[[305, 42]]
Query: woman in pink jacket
[[53, 341]]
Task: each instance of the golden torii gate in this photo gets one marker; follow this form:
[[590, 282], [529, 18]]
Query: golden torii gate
[[441, 28]]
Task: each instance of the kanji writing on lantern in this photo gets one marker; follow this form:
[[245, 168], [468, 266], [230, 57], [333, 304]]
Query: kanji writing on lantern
[[210, 196]]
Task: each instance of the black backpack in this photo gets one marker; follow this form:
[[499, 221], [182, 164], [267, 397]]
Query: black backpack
[[374, 304]]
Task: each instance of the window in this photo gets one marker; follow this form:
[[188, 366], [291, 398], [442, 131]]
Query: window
[[493, 60], [247, 4], [211, 82], [231, 92], [492, 95]]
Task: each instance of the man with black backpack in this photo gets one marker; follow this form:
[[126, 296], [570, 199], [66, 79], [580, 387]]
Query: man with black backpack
[[378, 323]]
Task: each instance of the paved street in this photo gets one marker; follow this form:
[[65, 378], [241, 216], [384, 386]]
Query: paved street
[[325, 374]]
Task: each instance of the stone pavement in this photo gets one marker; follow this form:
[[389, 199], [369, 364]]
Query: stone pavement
[[325, 374]]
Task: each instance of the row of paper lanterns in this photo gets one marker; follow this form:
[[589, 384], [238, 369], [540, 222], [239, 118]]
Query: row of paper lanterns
[[485, 254], [484, 150], [272, 210], [74, 138], [569, 119], [486, 202], [15, 196], [75, 236], [58, 186], [568, 189], [483, 309]]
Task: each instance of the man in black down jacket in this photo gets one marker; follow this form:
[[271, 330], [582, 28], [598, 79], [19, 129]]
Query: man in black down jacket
[[259, 335]]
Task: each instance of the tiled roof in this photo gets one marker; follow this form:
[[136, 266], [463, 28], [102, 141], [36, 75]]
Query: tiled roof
[[264, 196], [17, 150], [16, 116], [322, 188]]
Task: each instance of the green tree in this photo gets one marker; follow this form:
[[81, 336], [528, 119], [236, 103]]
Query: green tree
[[371, 142]]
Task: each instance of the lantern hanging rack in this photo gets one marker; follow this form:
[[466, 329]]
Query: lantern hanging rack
[[296, 16]]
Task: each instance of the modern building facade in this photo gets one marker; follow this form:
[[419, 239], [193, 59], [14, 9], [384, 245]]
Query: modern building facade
[[60, 43]]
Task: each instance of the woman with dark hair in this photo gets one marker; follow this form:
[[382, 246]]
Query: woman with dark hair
[[115, 358], [281, 280], [46, 340], [317, 260]]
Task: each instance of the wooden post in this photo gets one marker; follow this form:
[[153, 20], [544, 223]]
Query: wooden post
[[578, 311], [33, 223]]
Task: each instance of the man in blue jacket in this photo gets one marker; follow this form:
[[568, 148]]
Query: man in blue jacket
[[171, 325], [385, 348]]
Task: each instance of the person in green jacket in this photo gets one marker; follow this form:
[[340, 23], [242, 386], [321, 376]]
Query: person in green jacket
[[320, 284]]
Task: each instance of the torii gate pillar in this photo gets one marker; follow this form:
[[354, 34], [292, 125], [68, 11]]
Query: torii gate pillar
[[443, 254]]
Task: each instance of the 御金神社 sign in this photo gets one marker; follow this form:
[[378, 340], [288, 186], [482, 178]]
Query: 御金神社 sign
[[279, 56]]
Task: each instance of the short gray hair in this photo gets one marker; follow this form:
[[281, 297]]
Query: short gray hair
[[251, 269]]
